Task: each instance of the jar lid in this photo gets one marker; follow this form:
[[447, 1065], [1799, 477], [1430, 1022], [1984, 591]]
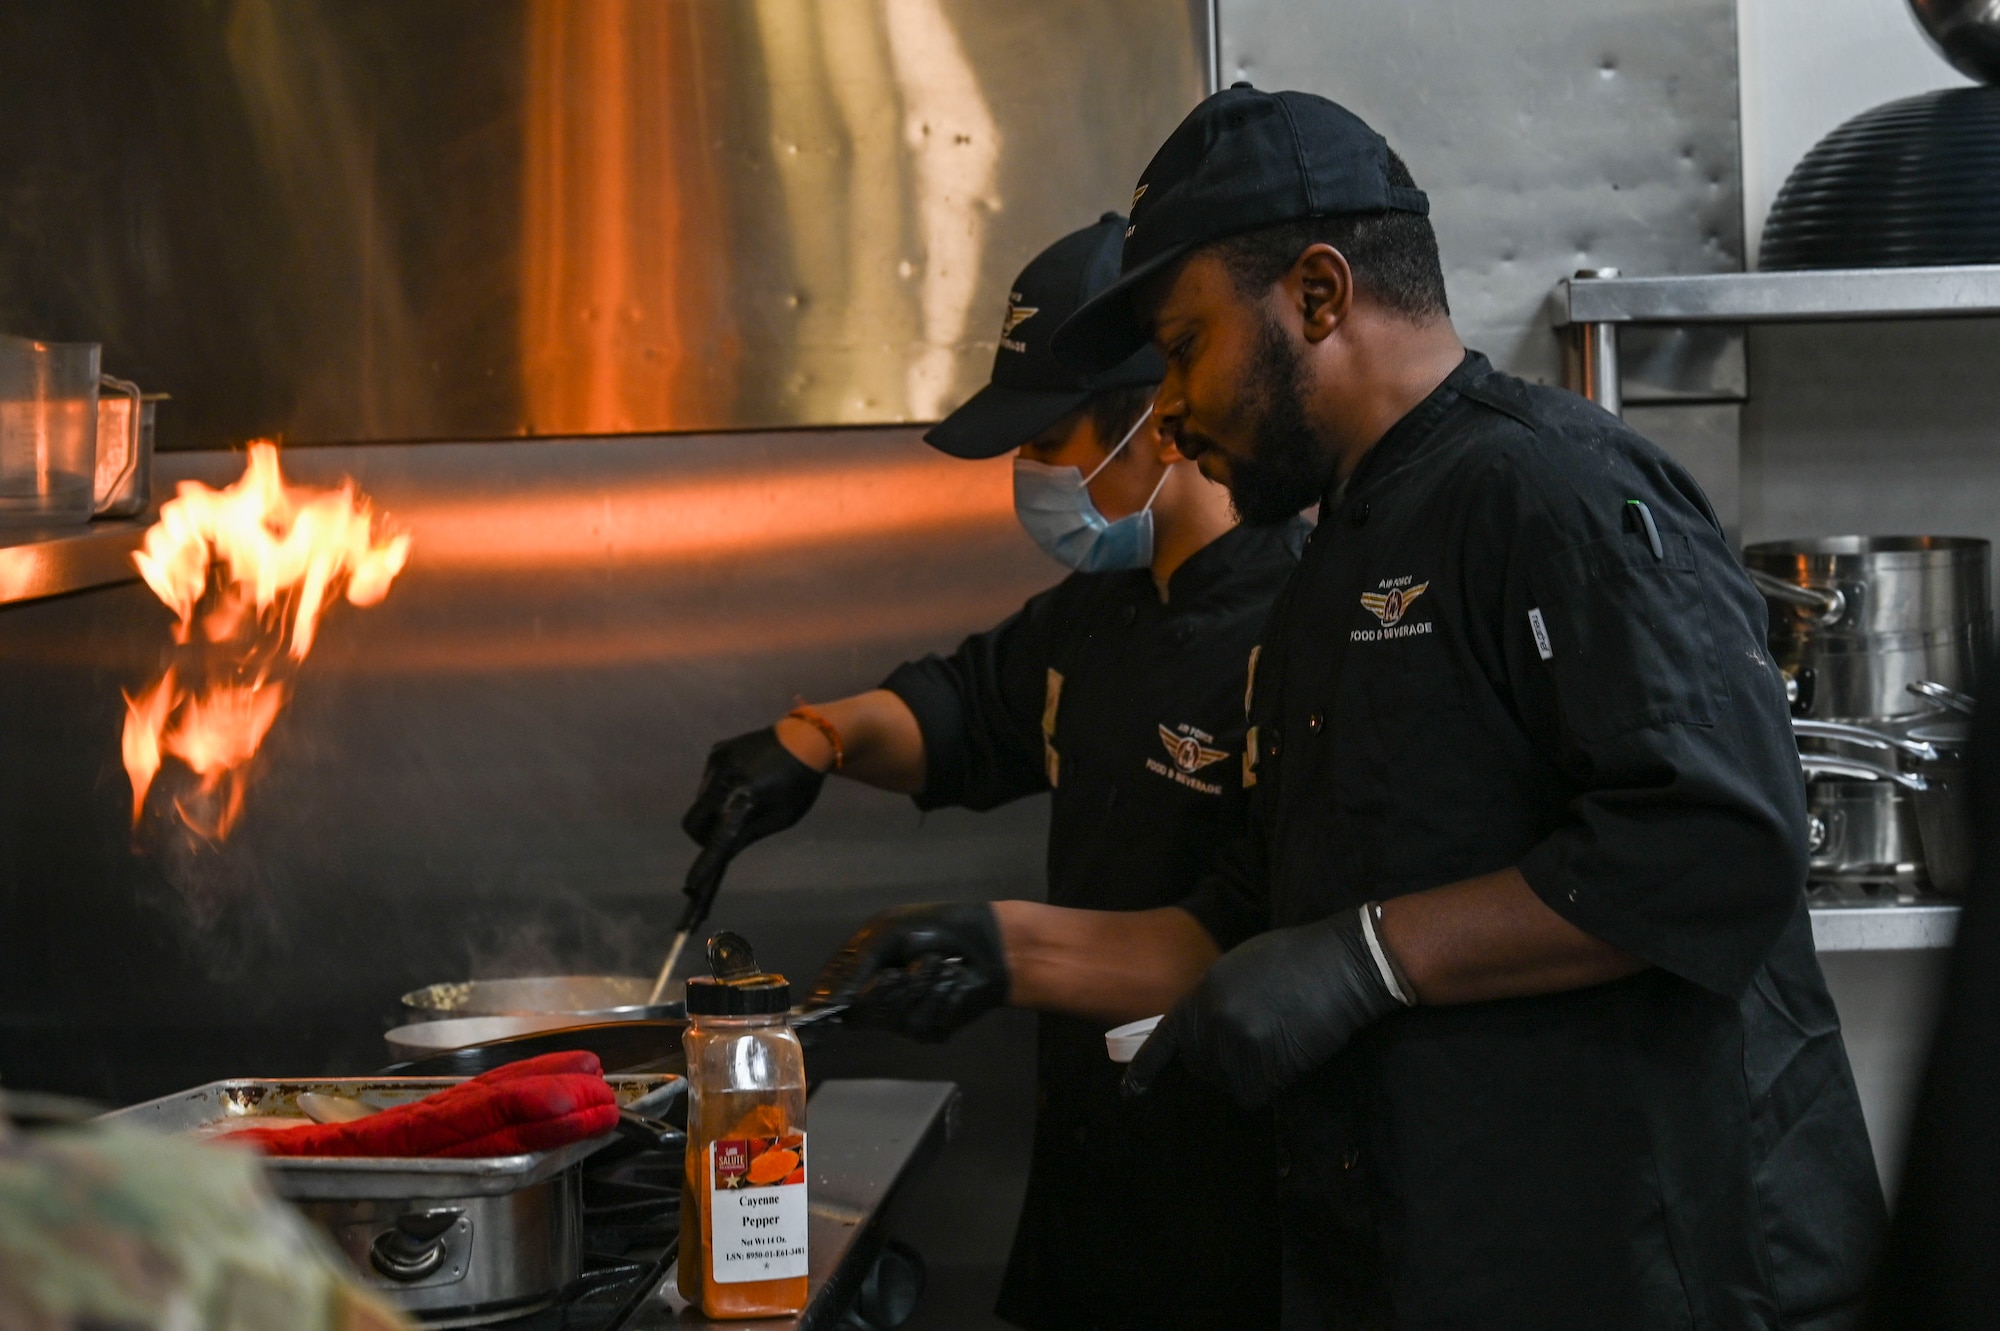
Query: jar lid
[[760, 995]]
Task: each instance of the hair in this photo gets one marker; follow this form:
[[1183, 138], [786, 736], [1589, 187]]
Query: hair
[[1394, 254], [1113, 411]]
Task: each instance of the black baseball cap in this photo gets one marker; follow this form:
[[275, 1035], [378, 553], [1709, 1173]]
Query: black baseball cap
[[1032, 390], [1243, 159]]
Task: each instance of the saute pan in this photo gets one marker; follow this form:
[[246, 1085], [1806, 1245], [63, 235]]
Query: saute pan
[[652, 1045], [585, 997], [622, 1046]]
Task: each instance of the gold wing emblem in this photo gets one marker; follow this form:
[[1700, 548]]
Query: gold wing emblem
[[1391, 606], [1138, 194], [1189, 754], [1016, 316], [1205, 757]]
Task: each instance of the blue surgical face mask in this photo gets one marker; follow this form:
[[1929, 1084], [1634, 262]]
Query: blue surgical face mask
[[1054, 504]]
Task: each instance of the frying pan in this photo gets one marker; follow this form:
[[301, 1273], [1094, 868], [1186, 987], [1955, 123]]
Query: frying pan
[[622, 1046], [583, 997]]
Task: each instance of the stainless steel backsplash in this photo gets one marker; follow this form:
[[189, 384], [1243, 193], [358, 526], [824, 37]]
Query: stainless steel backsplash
[[468, 219]]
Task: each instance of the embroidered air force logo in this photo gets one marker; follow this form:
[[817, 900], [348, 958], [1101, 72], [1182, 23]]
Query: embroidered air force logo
[[1390, 603], [1189, 751], [1017, 314]]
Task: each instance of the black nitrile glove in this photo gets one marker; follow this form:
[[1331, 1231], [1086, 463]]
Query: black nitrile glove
[[921, 971], [781, 787], [1271, 1010]]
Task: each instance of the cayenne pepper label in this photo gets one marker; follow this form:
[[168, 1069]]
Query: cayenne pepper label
[[758, 1213]]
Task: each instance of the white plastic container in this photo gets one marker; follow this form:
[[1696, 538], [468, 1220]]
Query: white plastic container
[[1122, 1042]]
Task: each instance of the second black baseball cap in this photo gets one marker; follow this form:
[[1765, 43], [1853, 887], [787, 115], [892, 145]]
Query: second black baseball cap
[[1030, 389], [1243, 159]]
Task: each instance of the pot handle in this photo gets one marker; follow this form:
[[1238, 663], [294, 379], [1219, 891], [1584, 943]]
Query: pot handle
[[1815, 764], [415, 1246], [1939, 693], [1843, 732], [1827, 603], [133, 426]]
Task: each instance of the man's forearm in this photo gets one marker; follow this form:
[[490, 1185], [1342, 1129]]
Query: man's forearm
[[1492, 937], [883, 745], [1109, 966]]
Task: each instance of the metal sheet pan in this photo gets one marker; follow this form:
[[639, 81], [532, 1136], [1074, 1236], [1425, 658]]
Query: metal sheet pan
[[308, 1178]]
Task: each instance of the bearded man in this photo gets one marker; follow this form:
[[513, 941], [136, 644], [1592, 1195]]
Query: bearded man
[[1518, 951]]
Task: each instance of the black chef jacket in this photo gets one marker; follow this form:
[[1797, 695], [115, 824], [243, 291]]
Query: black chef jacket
[[1939, 1273], [1488, 657], [1158, 1212]]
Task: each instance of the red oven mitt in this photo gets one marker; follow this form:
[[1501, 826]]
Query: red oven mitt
[[537, 1104]]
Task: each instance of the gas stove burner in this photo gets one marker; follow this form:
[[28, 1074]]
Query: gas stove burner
[[631, 1232]]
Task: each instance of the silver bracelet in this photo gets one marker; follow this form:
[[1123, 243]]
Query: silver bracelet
[[1369, 911]]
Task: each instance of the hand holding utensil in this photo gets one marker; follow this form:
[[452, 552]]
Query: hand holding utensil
[[727, 835]]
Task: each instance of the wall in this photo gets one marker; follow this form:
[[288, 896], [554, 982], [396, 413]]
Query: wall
[[343, 220], [1551, 135]]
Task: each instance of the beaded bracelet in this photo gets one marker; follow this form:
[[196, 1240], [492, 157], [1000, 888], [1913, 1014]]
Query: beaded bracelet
[[812, 717]]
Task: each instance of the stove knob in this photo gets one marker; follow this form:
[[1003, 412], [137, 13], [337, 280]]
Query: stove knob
[[889, 1292]]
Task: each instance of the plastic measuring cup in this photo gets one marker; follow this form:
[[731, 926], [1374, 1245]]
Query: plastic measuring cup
[[48, 431]]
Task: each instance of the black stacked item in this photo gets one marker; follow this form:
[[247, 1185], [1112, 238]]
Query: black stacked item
[[1913, 183]]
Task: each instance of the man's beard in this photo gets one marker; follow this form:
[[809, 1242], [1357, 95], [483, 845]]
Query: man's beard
[[1288, 468]]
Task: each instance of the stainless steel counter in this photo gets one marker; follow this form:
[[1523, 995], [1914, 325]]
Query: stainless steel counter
[[38, 562], [1891, 927], [868, 1137]]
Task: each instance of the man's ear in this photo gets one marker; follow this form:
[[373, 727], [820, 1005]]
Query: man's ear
[[1151, 440], [1320, 287]]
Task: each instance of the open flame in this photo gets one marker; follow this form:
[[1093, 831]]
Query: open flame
[[249, 570]]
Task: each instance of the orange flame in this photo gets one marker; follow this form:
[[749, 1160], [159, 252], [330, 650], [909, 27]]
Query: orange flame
[[250, 570]]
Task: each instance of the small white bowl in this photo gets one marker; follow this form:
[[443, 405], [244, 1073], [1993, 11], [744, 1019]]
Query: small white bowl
[[1123, 1042]]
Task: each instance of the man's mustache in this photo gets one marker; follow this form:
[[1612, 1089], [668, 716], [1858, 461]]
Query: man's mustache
[[1191, 442]]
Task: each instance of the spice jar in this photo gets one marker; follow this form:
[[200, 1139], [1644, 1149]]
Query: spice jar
[[743, 1204]]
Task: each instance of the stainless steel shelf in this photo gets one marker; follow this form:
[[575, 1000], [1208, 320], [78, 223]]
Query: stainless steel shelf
[[1886, 928], [48, 562], [1759, 298]]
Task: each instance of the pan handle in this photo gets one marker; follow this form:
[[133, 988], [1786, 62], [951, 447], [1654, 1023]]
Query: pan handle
[[1947, 696], [1815, 764], [650, 1132], [1843, 732], [1828, 604], [414, 1247]]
